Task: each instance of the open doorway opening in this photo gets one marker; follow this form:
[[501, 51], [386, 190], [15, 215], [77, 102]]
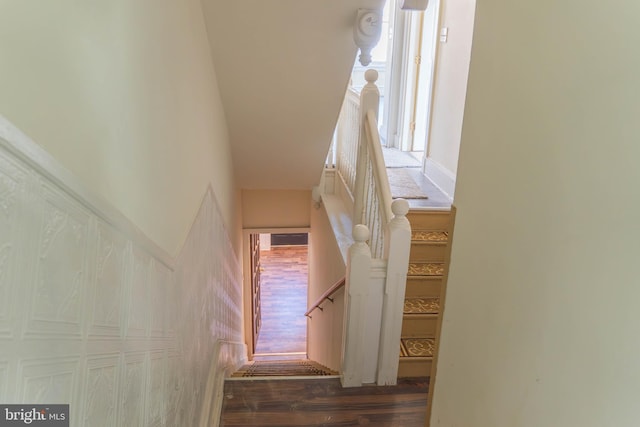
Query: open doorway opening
[[410, 79], [279, 266]]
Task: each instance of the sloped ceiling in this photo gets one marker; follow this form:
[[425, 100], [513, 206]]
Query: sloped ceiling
[[282, 67]]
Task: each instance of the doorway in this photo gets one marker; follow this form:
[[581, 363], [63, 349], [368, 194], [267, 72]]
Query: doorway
[[405, 60], [411, 79], [278, 289]]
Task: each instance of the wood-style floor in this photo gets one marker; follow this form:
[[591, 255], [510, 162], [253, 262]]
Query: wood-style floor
[[323, 402], [283, 293]]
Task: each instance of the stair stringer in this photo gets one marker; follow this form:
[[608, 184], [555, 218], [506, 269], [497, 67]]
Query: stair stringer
[[427, 268]]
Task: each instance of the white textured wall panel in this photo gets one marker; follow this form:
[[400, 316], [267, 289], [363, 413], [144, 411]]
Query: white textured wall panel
[[93, 314]]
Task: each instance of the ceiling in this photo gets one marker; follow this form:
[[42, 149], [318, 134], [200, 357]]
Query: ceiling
[[282, 68]]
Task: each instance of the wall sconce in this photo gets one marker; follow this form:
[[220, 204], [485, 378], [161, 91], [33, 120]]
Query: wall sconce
[[366, 32], [414, 4]]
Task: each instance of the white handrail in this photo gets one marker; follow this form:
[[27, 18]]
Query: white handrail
[[379, 168]]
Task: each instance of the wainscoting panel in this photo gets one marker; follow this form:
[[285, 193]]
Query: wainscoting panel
[[209, 276], [94, 314]]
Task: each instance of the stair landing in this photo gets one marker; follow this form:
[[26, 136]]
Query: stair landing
[[323, 402]]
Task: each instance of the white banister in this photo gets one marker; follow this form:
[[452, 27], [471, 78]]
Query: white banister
[[346, 143], [377, 262], [358, 271], [379, 168], [369, 101], [398, 241]]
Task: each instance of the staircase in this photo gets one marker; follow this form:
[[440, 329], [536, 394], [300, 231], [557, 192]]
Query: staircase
[[429, 239], [358, 187]]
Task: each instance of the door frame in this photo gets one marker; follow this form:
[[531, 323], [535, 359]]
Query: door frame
[[411, 82], [247, 317], [256, 268]]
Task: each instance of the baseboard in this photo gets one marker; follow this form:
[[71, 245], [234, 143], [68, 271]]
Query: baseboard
[[332, 183], [440, 176], [227, 358]]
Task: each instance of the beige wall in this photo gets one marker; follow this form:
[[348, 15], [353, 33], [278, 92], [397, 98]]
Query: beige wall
[[326, 266], [122, 93], [541, 320], [450, 84], [276, 208]]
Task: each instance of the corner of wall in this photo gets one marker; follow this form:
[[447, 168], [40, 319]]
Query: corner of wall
[[227, 358], [440, 176]]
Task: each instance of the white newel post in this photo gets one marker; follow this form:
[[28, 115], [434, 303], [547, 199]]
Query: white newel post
[[369, 100], [398, 246], [358, 271]]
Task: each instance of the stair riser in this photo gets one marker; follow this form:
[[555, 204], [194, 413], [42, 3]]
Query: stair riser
[[427, 252], [419, 326], [429, 220], [423, 287], [282, 368], [414, 368], [425, 280]]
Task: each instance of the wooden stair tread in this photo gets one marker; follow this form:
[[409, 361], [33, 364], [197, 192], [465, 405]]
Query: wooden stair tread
[[426, 268], [429, 236], [303, 367], [417, 347], [421, 305]]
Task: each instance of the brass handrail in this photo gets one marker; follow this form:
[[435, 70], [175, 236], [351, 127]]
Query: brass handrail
[[327, 295]]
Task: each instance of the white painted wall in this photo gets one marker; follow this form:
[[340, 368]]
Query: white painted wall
[[449, 91], [95, 315], [124, 94], [541, 318], [326, 267]]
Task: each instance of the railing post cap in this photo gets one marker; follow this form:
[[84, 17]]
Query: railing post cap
[[360, 233], [371, 75], [400, 207]]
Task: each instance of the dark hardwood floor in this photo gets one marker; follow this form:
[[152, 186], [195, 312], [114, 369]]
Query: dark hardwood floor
[[323, 402], [308, 402], [284, 301]]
